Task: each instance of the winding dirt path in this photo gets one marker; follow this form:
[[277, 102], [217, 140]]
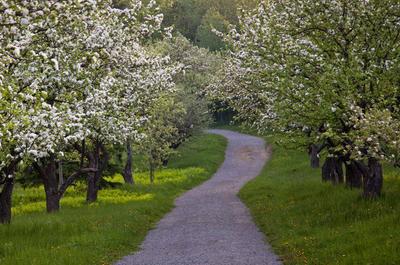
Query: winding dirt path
[[210, 225]]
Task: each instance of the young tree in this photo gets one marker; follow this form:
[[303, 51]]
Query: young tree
[[118, 107], [161, 132]]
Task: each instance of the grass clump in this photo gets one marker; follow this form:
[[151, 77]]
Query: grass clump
[[103, 232]]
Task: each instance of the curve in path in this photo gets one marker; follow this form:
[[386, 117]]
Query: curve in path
[[210, 225]]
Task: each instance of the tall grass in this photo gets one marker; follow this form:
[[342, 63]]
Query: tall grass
[[103, 232]]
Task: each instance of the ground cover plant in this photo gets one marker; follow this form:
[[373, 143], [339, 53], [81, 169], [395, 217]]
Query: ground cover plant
[[114, 226]]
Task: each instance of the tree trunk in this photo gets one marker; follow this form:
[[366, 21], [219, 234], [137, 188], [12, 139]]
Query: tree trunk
[[313, 152], [92, 189], [6, 192], [332, 170], [165, 162], [5, 200], [82, 150], [152, 169], [60, 174], [53, 202], [374, 180], [354, 176], [127, 173], [98, 160], [49, 174]]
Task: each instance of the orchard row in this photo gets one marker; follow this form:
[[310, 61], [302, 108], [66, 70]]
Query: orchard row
[[322, 75]]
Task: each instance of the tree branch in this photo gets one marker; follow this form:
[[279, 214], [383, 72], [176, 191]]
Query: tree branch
[[71, 179]]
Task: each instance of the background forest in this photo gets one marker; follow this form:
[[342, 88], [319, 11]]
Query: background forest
[[195, 19]]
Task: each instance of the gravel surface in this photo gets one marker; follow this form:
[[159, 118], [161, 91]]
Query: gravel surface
[[210, 225]]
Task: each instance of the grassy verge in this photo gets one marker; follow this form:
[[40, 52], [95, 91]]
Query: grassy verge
[[115, 226], [308, 222]]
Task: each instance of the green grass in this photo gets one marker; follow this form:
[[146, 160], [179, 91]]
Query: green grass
[[309, 222], [113, 227]]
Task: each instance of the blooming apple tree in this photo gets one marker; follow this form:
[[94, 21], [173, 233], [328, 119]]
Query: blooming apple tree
[[74, 72], [133, 81], [31, 126]]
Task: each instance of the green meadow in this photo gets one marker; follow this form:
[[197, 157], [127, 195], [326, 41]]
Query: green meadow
[[310, 222], [103, 232]]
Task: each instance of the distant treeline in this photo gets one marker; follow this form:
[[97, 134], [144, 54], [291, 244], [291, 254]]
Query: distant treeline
[[195, 19]]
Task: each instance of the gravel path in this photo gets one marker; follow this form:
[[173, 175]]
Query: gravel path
[[210, 225]]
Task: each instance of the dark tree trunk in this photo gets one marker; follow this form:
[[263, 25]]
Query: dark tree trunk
[[313, 152], [51, 180], [5, 200], [7, 190], [53, 202], [54, 185], [354, 176], [98, 160], [152, 175], [48, 172], [127, 174], [373, 181], [332, 170], [165, 162], [92, 188], [60, 174], [82, 150]]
